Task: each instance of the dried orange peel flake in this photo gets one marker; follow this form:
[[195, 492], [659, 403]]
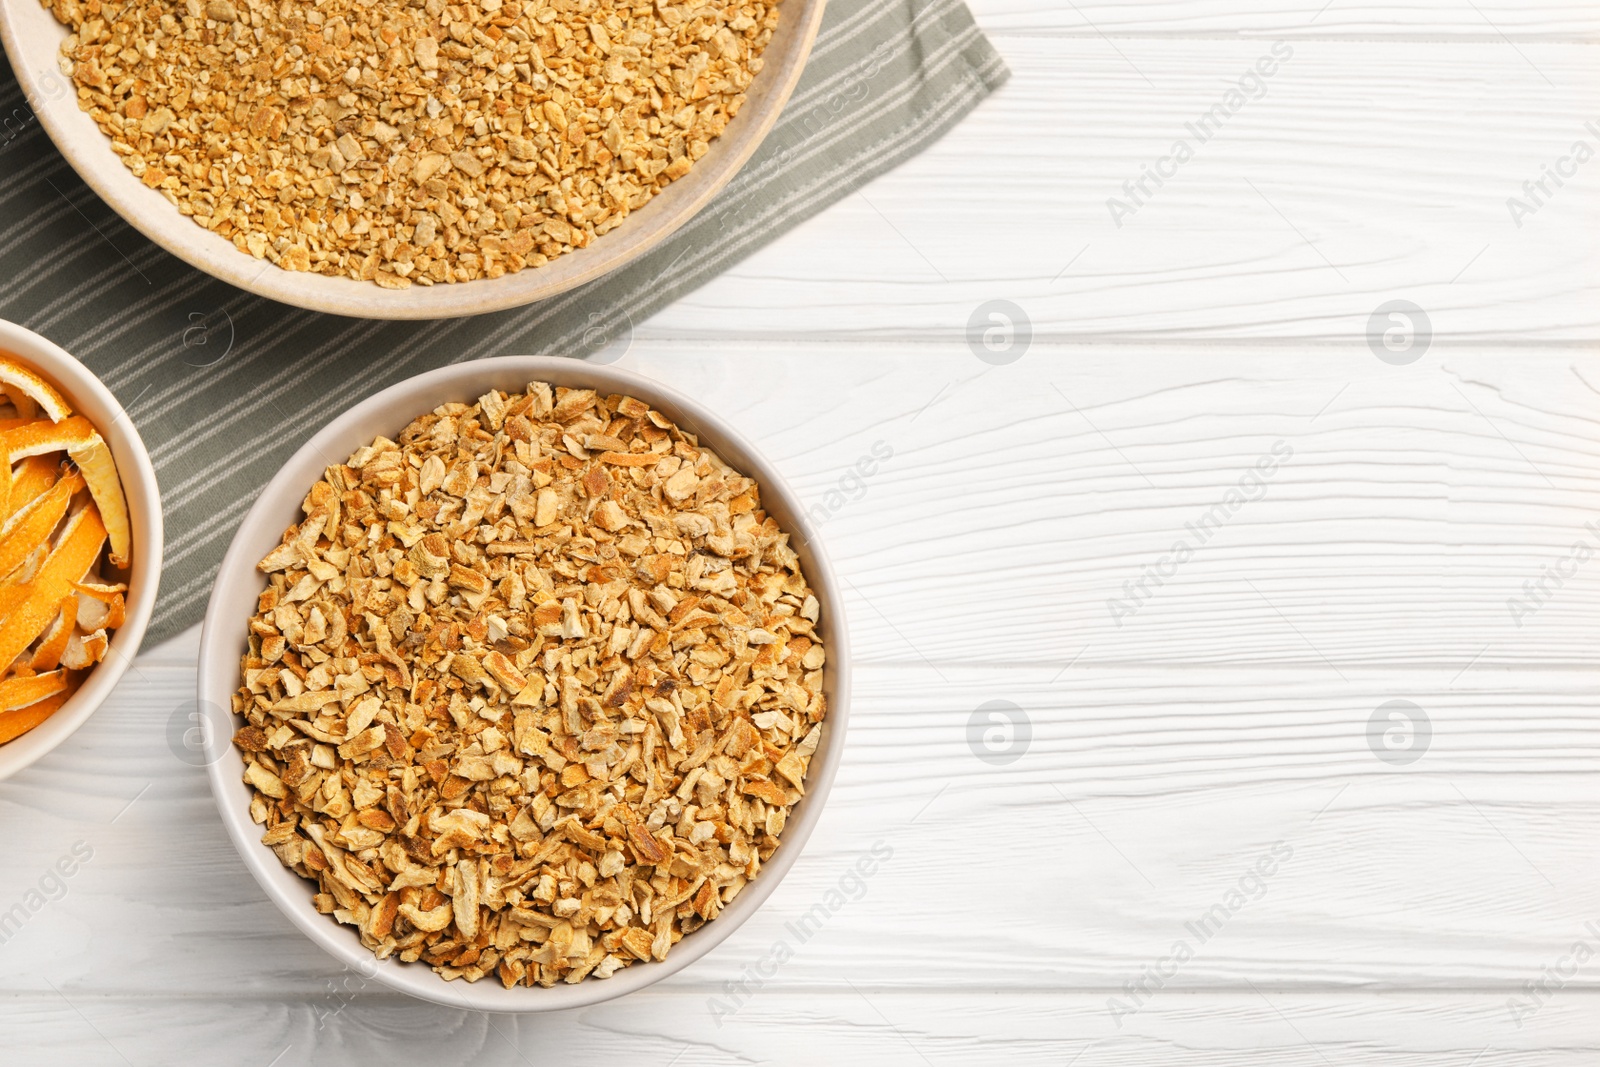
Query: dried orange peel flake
[[38, 438], [20, 692], [15, 723], [52, 597], [88, 450], [32, 477], [111, 596], [30, 527], [24, 618], [94, 460], [17, 378], [47, 656]]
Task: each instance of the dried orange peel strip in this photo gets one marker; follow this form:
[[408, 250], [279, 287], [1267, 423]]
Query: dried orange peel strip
[[20, 692], [40, 437], [14, 724], [53, 642], [61, 590], [27, 410], [100, 472], [24, 618], [31, 527], [32, 477], [19, 379], [111, 596], [85, 650], [88, 450]]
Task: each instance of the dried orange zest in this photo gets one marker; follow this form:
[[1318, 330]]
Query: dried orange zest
[[15, 377], [20, 692], [31, 527], [94, 460], [32, 477], [38, 438], [47, 656], [101, 591], [13, 724], [85, 650], [116, 611], [67, 563]]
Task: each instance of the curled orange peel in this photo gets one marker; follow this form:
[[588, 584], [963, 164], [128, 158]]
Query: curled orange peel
[[14, 724], [53, 642], [88, 450], [33, 476], [31, 526], [20, 692], [19, 379], [25, 610]]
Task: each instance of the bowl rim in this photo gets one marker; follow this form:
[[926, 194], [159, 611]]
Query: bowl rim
[[221, 643], [82, 388], [677, 204]]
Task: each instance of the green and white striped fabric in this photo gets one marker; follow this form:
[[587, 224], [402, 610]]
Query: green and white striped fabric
[[224, 386]]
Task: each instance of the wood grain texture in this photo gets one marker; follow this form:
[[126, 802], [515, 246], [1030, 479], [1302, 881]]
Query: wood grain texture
[[850, 1026], [986, 515], [1227, 717], [1142, 800], [1416, 503], [1370, 170], [1435, 20]]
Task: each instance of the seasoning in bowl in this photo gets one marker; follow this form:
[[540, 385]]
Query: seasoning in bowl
[[531, 690], [63, 527], [411, 142]]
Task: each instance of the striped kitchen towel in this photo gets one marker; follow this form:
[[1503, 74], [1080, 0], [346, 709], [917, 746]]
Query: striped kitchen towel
[[225, 386]]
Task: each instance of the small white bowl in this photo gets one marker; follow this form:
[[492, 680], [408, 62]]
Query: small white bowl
[[233, 601], [33, 37], [94, 402]]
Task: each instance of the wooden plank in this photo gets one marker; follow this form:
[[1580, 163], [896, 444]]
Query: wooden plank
[[1436, 19], [1230, 712], [1420, 516], [1371, 170], [1271, 1028], [1141, 801], [1168, 755], [1019, 502]]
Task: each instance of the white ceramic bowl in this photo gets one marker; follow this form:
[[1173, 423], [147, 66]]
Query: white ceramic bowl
[[233, 601], [94, 402], [33, 37]]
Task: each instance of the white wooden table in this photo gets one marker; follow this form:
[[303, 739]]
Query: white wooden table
[[1410, 894]]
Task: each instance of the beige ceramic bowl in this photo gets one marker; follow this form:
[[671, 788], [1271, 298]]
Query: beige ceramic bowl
[[94, 402], [233, 601], [33, 39]]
